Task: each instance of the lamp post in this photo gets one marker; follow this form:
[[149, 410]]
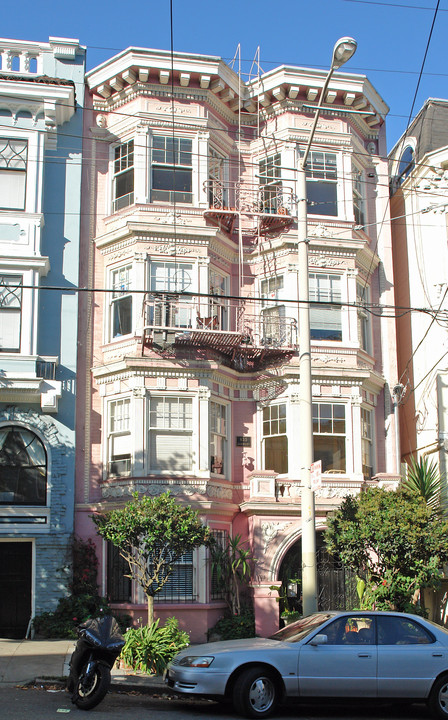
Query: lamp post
[[343, 51]]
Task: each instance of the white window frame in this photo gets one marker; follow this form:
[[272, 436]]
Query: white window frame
[[358, 195], [219, 428], [270, 180], [265, 436], [171, 428], [333, 422], [218, 191], [367, 441], [14, 171], [160, 159], [121, 281], [7, 296], [123, 165], [326, 173], [118, 432], [364, 326], [324, 314]]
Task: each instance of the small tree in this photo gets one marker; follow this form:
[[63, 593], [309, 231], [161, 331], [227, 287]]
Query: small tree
[[423, 478], [395, 542], [232, 568], [152, 533]]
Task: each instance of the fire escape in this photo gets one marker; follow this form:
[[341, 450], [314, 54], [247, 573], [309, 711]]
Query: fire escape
[[237, 333]]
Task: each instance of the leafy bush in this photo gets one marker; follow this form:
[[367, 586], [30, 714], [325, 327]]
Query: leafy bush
[[71, 612], [150, 648], [235, 627]]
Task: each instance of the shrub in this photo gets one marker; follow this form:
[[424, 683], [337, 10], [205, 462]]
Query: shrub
[[234, 627], [71, 612], [150, 648]]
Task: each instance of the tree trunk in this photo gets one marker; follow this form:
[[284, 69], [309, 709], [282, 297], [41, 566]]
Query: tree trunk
[[150, 600]]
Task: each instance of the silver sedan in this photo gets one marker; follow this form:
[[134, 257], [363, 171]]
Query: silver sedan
[[382, 655]]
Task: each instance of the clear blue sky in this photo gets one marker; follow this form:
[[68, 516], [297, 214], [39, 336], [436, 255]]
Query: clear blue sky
[[392, 36]]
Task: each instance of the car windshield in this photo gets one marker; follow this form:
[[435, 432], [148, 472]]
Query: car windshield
[[298, 630]]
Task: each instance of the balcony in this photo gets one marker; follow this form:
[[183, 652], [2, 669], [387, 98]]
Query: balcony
[[271, 204], [206, 328]]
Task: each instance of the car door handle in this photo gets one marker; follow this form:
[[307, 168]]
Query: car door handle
[[437, 654], [367, 655]]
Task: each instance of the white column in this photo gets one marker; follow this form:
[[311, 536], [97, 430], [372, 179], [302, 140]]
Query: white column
[[141, 185], [355, 424], [138, 426], [200, 161]]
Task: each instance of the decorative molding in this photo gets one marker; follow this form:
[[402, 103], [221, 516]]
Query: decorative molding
[[270, 530]]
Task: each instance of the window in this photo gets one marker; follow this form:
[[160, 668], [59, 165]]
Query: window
[[362, 297], [218, 306], [406, 165], [325, 320], [13, 159], [124, 175], [270, 183], [358, 195], [171, 430], [217, 589], [179, 587], [10, 312], [275, 441], [366, 443], [269, 288], [218, 438], [121, 303], [356, 630], [321, 184], [170, 277], [329, 436], [119, 587], [402, 631], [217, 192], [171, 169], [274, 326], [23, 467], [119, 438]]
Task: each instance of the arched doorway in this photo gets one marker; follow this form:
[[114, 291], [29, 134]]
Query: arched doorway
[[336, 584]]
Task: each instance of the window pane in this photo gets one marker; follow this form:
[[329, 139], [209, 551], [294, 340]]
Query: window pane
[[331, 451], [12, 189], [23, 468], [276, 454], [122, 316], [322, 198]]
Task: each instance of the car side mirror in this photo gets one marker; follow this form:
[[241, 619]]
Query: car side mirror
[[319, 640]]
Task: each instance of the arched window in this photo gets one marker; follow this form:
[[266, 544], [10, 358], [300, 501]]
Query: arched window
[[23, 467], [406, 165]]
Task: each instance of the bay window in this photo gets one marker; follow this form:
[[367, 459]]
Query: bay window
[[123, 182], [325, 320], [171, 169], [10, 312], [275, 440], [13, 165], [171, 434], [329, 436], [170, 278]]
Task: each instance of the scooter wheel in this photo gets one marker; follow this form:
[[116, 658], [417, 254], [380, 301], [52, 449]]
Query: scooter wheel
[[90, 691]]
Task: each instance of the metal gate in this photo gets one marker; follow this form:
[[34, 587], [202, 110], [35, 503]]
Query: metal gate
[[336, 584]]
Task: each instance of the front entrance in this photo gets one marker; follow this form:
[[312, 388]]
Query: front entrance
[[15, 588], [336, 584]]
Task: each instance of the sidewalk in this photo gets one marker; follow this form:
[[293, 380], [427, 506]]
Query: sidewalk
[[24, 661]]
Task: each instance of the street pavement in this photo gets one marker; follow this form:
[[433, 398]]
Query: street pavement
[[24, 661]]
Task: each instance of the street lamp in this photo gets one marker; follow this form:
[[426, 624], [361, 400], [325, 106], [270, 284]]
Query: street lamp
[[343, 51]]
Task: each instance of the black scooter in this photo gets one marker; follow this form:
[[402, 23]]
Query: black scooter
[[98, 646]]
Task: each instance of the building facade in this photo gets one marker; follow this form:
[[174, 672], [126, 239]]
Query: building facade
[[418, 170], [41, 99], [189, 339]]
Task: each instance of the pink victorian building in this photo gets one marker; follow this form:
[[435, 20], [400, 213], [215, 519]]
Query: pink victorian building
[[190, 337]]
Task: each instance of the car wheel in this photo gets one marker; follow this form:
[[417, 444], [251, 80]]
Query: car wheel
[[255, 693], [438, 698]]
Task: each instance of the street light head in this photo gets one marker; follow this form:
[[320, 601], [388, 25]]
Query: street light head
[[343, 51]]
